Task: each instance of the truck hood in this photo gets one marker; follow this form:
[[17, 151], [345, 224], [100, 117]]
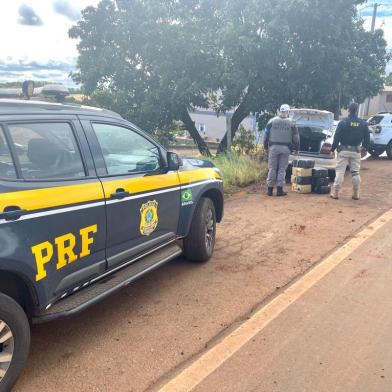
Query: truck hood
[[312, 118], [192, 163]]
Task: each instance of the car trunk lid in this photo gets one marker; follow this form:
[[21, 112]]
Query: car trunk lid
[[315, 127]]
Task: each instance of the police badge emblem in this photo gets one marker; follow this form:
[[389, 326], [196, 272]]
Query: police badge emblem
[[148, 217]]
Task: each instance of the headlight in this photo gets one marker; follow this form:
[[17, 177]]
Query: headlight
[[219, 171]]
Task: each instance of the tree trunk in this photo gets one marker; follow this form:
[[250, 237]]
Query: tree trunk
[[191, 128], [239, 115]]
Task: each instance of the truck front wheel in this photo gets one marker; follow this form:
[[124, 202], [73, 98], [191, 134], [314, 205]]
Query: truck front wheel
[[14, 341], [200, 242]]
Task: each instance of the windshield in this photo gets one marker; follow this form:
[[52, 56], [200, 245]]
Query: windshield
[[375, 120]]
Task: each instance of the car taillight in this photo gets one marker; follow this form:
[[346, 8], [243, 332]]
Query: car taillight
[[326, 149], [377, 129]]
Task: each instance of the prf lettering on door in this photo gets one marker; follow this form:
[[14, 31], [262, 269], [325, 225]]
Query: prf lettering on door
[[64, 250]]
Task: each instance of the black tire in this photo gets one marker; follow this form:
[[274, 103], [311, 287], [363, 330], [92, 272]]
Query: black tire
[[389, 150], [331, 175], [200, 242], [375, 153], [289, 172], [12, 314]]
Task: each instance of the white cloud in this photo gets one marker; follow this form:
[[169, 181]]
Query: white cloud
[[66, 8], [49, 44], [28, 17]]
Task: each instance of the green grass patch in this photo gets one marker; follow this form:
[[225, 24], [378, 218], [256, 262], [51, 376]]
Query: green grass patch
[[240, 170]]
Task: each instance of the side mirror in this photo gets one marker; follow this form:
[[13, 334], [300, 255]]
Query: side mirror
[[173, 161]]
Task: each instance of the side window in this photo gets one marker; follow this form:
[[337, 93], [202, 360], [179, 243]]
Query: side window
[[125, 151], [47, 151], [7, 169]]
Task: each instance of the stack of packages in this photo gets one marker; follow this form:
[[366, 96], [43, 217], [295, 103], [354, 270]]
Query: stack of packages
[[307, 179], [320, 181], [301, 178]]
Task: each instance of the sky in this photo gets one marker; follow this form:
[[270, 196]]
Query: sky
[[35, 43], [34, 40]]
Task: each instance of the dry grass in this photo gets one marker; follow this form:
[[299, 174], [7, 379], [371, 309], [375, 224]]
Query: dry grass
[[240, 170]]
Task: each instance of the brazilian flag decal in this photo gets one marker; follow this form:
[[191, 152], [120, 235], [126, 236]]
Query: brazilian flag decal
[[186, 197]]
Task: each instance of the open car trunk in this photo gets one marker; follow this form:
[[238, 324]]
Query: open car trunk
[[311, 139], [314, 126]]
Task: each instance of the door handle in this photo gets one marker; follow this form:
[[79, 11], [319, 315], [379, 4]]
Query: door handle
[[120, 194], [12, 213]]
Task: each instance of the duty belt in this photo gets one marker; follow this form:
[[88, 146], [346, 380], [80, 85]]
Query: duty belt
[[350, 148], [279, 144]]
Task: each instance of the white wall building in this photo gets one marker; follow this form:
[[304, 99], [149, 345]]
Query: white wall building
[[380, 103], [213, 128]]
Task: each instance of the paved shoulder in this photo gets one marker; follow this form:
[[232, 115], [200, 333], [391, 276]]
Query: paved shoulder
[[336, 337]]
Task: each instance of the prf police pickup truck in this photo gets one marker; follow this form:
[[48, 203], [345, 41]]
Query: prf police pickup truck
[[88, 204]]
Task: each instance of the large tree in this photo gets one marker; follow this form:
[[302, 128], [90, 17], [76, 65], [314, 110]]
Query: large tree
[[311, 53], [155, 61], [148, 60]]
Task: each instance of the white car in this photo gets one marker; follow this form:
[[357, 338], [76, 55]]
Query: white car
[[316, 131], [380, 126]]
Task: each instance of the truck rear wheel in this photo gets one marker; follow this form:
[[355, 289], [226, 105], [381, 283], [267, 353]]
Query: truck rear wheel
[[375, 153], [389, 150], [14, 341], [200, 242]]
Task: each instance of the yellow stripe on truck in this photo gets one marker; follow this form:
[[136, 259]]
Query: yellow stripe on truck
[[190, 176], [37, 199], [141, 184]]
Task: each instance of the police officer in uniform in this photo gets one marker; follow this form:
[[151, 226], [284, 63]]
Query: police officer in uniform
[[280, 136], [351, 136]]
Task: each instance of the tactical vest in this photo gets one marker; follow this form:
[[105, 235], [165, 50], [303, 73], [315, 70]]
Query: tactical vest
[[281, 131]]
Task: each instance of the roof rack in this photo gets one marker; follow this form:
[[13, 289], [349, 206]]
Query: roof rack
[[51, 92]]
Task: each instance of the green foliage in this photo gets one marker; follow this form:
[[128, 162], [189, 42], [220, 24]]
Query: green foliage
[[154, 61], [165, 137], [148, 60], [309, 53], [245, 141], [263, 120], [240, 170]]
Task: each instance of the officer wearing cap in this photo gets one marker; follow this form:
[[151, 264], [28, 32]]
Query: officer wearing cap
[[351, 136], [280, 136]]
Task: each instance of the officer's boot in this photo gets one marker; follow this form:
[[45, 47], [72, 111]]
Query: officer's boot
[[270, 191], [356, 186], [334, 192], [280, 192]]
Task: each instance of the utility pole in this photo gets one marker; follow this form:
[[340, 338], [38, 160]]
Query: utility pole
[[367, 104], [374, 17]]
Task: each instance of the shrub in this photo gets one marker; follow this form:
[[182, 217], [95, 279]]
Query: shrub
[[245, 141], [240, 170]]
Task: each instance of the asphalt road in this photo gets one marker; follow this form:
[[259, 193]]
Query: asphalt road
[[144, 336], [334, 337]]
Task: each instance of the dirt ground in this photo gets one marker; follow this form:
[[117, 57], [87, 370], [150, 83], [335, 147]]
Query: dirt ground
[[138, 338]]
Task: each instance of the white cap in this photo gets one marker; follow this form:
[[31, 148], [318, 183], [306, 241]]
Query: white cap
[[284, 108]]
